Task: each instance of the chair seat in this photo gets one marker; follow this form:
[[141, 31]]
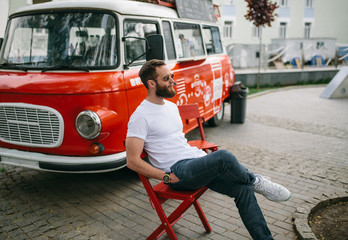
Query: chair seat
[[202, 144], [164, 191]]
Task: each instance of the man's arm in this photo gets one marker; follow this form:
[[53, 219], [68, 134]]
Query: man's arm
[[134, 149]]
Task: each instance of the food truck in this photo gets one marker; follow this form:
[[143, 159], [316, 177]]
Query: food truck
[[69, 78]]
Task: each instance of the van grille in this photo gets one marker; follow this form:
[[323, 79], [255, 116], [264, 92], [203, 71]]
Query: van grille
[[30, 125]]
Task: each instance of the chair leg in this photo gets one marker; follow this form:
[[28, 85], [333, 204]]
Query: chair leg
[[166, 225], [172, 219], [175, 216], [160, 230], [202, 216]]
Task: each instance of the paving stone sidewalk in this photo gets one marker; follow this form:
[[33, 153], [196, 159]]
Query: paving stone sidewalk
[[293, 136]]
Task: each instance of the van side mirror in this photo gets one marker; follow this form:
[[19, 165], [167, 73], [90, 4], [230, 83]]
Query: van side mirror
[[155, 47]]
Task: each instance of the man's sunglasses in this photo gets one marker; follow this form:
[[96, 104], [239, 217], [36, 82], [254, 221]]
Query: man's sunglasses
[[166, 78]]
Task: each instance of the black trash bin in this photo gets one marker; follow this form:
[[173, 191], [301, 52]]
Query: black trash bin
[[238, 97]]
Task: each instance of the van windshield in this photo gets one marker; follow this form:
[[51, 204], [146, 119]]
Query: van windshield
[[60, 41]]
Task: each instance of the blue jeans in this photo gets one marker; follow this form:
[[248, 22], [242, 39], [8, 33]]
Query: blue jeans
[[221, 172]]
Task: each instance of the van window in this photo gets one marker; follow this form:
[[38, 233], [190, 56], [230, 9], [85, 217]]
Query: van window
[[212, 40], [168, 40], [188, 40], [62, 39], [137, 47]]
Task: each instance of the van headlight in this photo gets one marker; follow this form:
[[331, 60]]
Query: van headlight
[[88, 124]]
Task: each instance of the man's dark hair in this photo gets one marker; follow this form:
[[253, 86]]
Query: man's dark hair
[[148, 70]]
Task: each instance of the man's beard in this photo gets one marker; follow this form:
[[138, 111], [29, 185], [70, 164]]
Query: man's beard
[[165, 92]]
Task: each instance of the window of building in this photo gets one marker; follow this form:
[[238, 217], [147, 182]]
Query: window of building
[[256, 32], [188, 40], [307, 30], [212, 40], [283, 3], [309, 3], [283, 30], [228, 27]]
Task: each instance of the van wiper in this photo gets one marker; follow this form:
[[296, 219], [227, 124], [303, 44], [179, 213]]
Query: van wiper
[[13, 66], [65, 67]]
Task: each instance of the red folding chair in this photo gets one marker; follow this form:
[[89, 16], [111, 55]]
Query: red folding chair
[[161, 192]]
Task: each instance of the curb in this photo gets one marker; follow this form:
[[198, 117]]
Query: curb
[[301, 216], [284, 89]]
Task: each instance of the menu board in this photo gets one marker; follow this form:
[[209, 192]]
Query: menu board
[[196, 9]]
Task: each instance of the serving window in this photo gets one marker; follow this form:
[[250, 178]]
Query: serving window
[[212, 40], [188, 40]]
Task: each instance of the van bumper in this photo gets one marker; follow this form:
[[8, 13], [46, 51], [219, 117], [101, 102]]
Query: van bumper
[[59, 163]]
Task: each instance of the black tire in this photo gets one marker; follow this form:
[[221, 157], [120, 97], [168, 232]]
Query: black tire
[[218, 118]]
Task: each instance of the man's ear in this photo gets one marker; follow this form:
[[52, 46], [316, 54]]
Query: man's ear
[[151, 83]]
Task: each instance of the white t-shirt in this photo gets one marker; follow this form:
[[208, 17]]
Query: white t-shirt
[[160, 126]]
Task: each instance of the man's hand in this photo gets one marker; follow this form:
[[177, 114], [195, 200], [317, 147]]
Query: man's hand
[[173, 178]]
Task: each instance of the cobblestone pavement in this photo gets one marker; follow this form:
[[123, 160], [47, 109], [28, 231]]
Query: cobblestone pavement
[[293, 136]]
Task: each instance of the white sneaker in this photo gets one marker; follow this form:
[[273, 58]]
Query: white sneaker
[[270, 190]]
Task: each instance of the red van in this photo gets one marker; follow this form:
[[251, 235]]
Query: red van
[[69, 78]]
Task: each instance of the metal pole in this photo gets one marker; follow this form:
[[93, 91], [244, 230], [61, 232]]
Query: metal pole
[[302, 56], [258, 73], [266, 57]]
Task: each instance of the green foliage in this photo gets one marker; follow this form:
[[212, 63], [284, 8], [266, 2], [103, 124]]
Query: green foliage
[[258, 90]]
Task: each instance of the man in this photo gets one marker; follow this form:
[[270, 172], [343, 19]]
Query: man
[[156, 126]]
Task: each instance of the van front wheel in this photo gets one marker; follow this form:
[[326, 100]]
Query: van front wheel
[[218, 118]]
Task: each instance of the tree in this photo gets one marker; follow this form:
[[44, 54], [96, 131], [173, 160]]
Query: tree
[[261, 13]]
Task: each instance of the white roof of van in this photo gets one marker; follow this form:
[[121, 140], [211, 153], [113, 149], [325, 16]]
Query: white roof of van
[[128, 7]]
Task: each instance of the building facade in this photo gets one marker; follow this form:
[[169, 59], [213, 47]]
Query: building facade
[[296, 19], [304, 32]]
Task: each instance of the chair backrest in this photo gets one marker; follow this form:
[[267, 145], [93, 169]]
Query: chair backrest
[[191, 111]]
